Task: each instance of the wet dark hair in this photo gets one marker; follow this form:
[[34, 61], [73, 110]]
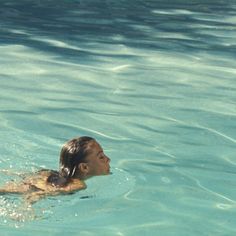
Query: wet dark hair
[[72, 154]]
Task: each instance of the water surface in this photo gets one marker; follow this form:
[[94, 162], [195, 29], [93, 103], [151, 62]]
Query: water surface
[[153, 82]]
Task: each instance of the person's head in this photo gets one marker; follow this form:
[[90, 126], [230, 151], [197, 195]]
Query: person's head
[[82, 158]]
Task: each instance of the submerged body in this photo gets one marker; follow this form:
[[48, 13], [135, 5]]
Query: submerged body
[[39, 182], [80, 158], [36, 186]]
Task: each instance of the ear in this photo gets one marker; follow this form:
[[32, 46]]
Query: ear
[[83, 168]]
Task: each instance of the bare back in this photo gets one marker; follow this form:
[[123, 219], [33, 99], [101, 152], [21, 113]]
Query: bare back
[[36, 186]]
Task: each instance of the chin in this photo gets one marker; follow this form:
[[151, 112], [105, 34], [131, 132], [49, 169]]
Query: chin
[[107, 172]]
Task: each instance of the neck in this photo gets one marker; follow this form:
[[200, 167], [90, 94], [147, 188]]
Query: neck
[[81, 176]]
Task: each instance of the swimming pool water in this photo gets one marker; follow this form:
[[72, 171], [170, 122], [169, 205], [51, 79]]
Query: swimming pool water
[[153, 81]]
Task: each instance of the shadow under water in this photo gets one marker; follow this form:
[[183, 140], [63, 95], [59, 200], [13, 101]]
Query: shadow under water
[[72, 28]]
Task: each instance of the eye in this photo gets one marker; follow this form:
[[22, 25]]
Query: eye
[[101, 156]]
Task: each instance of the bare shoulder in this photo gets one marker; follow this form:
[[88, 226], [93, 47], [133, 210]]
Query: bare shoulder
[[73, 185]]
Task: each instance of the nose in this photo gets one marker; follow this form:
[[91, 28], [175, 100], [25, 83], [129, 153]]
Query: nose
[[108, 159]]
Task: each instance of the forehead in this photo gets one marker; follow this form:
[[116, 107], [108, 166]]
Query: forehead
[[94, 147]]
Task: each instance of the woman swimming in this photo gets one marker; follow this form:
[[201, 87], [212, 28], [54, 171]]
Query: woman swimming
[[80, 159]]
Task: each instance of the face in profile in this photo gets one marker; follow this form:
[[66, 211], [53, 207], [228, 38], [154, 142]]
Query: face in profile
[[97, 163]]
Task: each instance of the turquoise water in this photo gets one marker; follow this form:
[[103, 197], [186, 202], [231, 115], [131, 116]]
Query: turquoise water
[[153, 82]]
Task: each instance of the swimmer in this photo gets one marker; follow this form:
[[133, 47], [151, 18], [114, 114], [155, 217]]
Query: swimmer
[[80, 159]]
